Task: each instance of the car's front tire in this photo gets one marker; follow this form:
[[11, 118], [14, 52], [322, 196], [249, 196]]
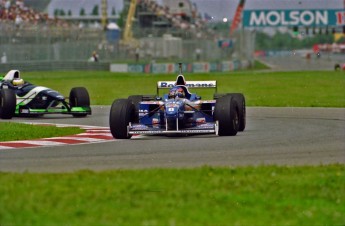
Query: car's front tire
[[79, 97], [122, 112], [226, 113], [7, 103]]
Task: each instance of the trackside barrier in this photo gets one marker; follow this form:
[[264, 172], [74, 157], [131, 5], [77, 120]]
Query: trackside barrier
[[200, 67], [161, 68], [119, 67], [272, 53], [54, 66]]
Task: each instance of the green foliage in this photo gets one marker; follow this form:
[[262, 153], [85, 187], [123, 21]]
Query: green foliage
[[56, 12], [122, 18], [62, 12], [341, 40], [82, 12], [95, 11], [220, 26], [284, 41], [275, 89], [259, 65], [10, 131], [59, 12], [263, 195]]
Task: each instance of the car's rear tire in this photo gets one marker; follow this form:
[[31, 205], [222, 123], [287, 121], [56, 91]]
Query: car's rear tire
[[122, 112], [226, 113], [79, 97], [8, 102], [241, 103]]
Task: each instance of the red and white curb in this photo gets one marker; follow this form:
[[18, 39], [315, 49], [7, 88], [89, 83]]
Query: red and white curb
[[92, 134]]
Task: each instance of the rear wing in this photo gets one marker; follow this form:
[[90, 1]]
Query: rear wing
[[189, 85]]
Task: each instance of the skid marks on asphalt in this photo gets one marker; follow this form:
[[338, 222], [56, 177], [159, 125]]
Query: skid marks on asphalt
[[92, 134]]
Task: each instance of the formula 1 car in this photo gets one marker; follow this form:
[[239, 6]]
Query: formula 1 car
[[19, 98], [179, 112]]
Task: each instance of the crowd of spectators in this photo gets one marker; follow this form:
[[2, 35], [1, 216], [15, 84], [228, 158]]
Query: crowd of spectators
[[191, 21], [15, 12]]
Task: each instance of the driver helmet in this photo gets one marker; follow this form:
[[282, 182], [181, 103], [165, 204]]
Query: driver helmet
[[17, 82], [176, 92]]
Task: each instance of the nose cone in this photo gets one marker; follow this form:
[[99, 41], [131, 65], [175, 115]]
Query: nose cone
[[171, 112], [173, 108], [52, 93]]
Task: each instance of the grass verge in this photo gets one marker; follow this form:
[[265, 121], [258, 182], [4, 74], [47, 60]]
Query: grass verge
[[10, 131], [265, 195], [258, 65], [275, 89]]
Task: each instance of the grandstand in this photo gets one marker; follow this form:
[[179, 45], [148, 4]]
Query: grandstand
[[162, 33], [114, 7]]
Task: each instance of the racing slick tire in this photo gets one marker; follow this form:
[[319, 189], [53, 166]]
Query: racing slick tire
[[122, 112], [226, 113], [79, 97], [241, 103], [8, 102], [136, 99]]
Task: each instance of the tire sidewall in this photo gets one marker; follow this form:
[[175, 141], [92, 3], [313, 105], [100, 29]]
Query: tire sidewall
[[226, 113], [79, 97], [241, 103], [7, 103], [122, 112]]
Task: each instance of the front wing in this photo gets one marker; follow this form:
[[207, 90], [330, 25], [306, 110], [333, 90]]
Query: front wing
[[35, 111], [205, 128]]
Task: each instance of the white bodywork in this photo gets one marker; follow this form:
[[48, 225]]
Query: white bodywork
[[12, 74]]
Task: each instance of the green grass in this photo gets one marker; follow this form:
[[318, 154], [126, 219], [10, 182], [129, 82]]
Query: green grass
[[258, 65], [10, 131], [266, 195], [276, 89]]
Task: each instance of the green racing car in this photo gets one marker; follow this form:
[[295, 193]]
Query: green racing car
[[21, 98]]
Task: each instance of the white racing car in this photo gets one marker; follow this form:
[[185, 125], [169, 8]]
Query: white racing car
[[21, 98]]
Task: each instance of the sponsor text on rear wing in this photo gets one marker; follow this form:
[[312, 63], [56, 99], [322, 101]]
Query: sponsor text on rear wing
[[189, 84]]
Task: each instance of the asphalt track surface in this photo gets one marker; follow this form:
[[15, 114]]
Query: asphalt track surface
[[280, 136]]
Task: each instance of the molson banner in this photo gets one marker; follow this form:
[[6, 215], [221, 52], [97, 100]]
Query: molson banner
[[275, 18]]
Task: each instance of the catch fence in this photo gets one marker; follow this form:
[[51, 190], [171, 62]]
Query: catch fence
[[41, 47]]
